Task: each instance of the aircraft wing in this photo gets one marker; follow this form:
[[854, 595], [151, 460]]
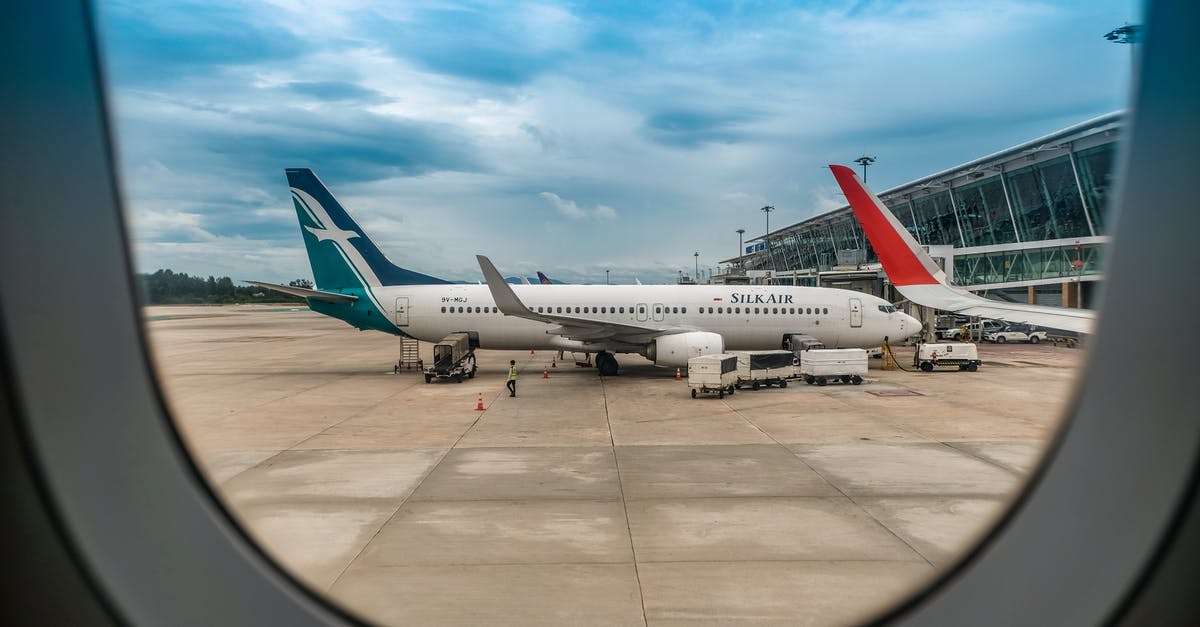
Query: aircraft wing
[[918, 278], [570, 327], [331, 297], [948, 298]]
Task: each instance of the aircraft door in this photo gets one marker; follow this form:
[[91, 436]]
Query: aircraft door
[[402, 311], [641, 312], [659, 308], [856, 312]]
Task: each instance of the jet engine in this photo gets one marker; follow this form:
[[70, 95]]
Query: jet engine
[[675, 350]]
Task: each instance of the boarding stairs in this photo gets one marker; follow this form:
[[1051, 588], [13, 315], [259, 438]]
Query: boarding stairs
[[410, 355]]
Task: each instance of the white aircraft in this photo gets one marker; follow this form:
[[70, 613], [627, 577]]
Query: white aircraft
[[920, 280], [668, 324]]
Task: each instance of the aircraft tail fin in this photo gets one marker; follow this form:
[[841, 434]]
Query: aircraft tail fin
[[905, 262], [543, 279], [339, 251]]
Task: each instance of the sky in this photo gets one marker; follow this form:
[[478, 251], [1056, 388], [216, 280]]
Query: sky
[[566, 137]]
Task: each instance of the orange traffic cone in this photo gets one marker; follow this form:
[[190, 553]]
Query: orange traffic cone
[[479, 406], [531, 352], [677, 377], [545, 373]]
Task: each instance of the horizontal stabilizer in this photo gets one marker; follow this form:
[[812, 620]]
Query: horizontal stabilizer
[[330, 297]]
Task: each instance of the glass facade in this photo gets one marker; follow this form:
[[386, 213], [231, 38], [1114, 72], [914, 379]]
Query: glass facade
[[984, 214], [1055, 262], [1026, 202], [936, 221], [1046, 201], [1096, 175], [839, 241]]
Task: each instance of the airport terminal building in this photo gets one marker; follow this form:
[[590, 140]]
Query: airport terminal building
[[1029, 223]]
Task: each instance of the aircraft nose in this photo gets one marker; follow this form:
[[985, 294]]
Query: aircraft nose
[[909, 325]]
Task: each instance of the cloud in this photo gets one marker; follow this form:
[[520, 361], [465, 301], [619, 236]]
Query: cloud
[[172, 224], [545, 139], [337, 91], [689, 117], [262, 138], [826, 198], [157, 43], [693, 128], [480, 43], [572, 210]]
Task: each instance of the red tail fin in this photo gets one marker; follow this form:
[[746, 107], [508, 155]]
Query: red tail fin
[[902, 257]]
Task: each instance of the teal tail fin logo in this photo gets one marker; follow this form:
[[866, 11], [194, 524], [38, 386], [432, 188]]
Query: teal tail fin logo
[[340, 253]]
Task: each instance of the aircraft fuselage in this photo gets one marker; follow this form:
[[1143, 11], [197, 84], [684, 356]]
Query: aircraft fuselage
[[747, 317]]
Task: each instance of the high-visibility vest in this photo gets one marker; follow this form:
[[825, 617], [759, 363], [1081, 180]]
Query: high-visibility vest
[[512, 373]]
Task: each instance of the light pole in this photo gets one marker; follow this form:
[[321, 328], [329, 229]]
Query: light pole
[[865, 161], [741, 248], [697, 274], [1128, 34], [767, 238], [606, 277]]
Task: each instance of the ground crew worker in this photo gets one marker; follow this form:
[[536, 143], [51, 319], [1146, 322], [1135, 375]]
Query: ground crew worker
[[512, 377]]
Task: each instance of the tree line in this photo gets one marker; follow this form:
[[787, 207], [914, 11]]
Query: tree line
[[165, 287]]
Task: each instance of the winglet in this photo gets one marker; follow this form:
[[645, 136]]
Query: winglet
[[919, 279], [905, 262], [506, 299]]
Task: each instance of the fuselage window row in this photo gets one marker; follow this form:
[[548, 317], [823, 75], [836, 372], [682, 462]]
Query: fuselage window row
[[663, 310]]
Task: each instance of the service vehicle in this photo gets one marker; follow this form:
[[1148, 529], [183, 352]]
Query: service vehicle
[[799, 342], [1016, 333], [453, 358], [973, 331], [848, 365], [713, 374], [964, 356], [765, 368]]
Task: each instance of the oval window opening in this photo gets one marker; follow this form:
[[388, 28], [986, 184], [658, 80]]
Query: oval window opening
[[591, 468]]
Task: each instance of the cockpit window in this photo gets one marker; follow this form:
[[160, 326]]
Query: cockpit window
[[887, 308]]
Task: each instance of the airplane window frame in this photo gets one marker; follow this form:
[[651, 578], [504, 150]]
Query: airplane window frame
[[123, 536]]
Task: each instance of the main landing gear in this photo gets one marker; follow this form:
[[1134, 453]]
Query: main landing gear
[[606, 364]]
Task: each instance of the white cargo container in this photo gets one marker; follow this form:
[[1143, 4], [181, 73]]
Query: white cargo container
[[929, 356], [712, 374], [758, 368], [848, 365]]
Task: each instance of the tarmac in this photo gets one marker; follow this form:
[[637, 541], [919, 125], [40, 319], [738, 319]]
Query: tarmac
[[595, 500]]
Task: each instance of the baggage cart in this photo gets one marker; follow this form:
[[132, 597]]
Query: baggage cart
[[453, 358], [848, 365], [712, 374], [765, 368]]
